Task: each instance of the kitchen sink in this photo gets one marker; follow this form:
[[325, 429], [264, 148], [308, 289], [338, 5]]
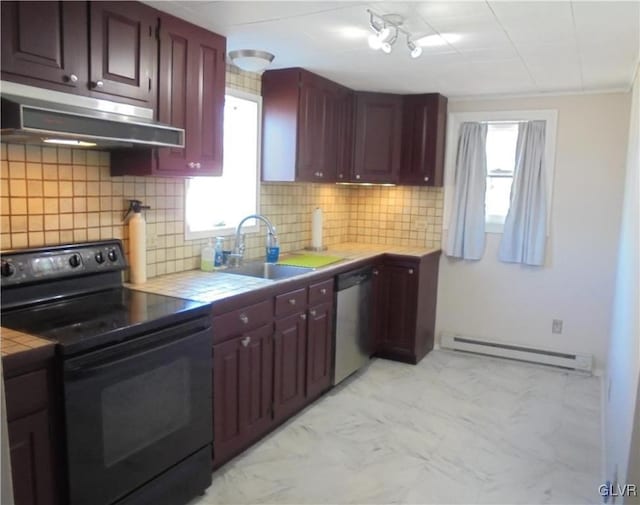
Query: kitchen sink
[[268, 270]]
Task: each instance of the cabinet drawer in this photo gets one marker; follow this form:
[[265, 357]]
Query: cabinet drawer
[[26, 394], [321, 292], [290, 302], [238, 321]]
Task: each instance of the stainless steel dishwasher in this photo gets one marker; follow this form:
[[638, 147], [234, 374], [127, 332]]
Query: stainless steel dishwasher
[[353, 327]]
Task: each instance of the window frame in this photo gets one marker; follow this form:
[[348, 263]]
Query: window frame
[[455, 119], [230, 231]]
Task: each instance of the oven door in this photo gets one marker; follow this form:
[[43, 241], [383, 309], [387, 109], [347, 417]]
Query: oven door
[[136, 409]]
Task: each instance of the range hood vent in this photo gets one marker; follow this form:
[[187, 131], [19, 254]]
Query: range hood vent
[[36, 116]]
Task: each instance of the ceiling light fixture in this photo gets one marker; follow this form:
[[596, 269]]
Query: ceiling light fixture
[[251, 60], [385, 33]]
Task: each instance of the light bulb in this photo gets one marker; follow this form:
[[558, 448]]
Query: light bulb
[[374, 42], [386, 47], [416, 52]]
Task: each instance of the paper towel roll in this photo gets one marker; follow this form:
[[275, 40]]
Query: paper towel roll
[[316, 228]]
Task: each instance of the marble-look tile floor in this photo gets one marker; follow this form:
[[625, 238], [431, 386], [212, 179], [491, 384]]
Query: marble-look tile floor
[[455, 428]]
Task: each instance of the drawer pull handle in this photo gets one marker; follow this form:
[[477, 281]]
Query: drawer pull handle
[[244, 318], [292, 301], [323, 291], [246, 341], [411, 271], [312, 313], [303, 316]]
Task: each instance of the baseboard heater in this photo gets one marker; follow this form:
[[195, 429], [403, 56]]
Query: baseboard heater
[[581, 362]]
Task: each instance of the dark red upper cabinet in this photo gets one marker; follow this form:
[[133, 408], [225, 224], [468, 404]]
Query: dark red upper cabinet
[[424, 120], [344, 131], [123, 52], [190, 96], [378, 128], [45, 44], [300, 115]]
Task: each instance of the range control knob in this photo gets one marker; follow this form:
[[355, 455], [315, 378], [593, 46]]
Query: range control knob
[[7, 269], [99, 257], [74, 261], [112, 255]]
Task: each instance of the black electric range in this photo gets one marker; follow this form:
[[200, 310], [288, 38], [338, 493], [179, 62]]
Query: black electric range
[[136, 373]]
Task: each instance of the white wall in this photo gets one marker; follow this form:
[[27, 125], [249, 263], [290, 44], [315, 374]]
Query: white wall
[[514, 303], [624, 351]]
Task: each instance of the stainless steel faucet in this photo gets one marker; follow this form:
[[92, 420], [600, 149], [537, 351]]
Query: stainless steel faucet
[[239, 245]]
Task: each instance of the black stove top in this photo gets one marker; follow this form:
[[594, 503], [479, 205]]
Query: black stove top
[[73, 294], [90, 321]]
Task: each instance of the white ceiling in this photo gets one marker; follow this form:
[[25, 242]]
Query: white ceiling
[[503, 47]]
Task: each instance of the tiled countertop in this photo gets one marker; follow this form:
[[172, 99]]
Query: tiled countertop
[[19, 348], [215, 286]]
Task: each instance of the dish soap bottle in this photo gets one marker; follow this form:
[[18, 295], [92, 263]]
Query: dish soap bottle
[[217, 256], [273, 247], [207, 257]]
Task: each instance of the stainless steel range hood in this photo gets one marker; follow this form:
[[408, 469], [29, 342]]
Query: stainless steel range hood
[[37, 116]]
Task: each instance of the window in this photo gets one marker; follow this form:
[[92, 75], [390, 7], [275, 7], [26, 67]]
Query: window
[[502, 136], [215, 205], [501, 153]]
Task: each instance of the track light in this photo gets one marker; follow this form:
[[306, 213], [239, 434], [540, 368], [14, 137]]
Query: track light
[[415, 51], [385, 33]]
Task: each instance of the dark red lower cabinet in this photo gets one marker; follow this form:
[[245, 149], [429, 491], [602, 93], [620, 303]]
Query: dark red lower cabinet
[[31, 463], [242, 389], [319, 349], [405, 307], [289, 350]]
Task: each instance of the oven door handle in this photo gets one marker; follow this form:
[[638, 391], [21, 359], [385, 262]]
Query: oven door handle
[[93, 363]]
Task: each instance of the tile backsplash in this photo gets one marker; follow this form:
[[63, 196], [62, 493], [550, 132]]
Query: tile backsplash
[[55, 195]]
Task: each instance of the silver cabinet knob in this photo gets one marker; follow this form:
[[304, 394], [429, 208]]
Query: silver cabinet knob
[[191, 164], [323, 291], [97, 84], [375, 272], [292, 301], [198, 165], [357, 176], [321, 174], [246, 341], [312, 313], [340, 176], [411, 271], [71, 78], [244, 319], [303, 316]]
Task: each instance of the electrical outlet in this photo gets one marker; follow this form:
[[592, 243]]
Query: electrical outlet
[[556, 326]]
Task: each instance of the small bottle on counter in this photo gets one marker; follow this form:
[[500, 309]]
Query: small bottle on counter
[[218, 257], [207, 257], [273, 247]]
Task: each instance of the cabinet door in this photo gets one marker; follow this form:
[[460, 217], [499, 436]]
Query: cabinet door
[[344, 130], [122, 60], [316, 130], [319, 349], [31, 463], [242, 392], [377, 142], [423, 136], [191, 96], [398, 304], [289, 365], [45, 44]]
